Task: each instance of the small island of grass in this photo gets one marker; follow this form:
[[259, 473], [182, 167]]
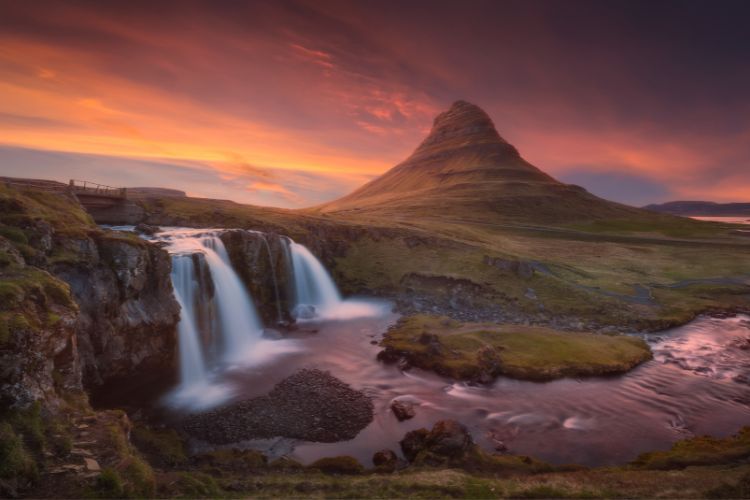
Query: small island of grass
[[481, 352]]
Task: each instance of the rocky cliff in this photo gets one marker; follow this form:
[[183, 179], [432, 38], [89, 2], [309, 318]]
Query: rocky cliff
[[80, 305]]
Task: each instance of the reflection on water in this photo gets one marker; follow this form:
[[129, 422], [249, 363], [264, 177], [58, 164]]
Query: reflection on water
[[697, 384]]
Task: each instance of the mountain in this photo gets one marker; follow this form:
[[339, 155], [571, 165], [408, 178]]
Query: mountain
[[464, 168], [702, 208]]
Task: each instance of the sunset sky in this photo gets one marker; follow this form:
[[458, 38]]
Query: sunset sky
[[295, 103]]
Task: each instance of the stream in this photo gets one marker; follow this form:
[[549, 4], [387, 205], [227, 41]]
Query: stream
[[698, 382]]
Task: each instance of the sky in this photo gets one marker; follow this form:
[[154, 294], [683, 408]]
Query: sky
[[293, 103]]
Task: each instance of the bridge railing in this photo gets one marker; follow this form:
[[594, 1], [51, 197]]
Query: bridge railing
[[87, 187]]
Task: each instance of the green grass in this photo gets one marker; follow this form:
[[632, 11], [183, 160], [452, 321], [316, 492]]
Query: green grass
[[162, 446], [701, 450], [480, 351], [19, 208]]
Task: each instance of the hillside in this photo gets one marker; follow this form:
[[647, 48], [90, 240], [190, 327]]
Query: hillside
[[702, 208], [464, 167]]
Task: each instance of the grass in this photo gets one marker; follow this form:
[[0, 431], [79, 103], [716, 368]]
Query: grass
[[162, 446], [482, 351], [701, 450], [20, 208]]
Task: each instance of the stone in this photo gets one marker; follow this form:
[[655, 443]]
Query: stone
[[447, 440], [304, 311], [92, 465], [403, 410], [385, 460], [146, 229], [414, 442]]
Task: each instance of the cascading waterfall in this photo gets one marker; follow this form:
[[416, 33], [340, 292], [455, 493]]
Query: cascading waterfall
[[218, 321], [238, 321], [234, 332], [192, 366], [315, 292]]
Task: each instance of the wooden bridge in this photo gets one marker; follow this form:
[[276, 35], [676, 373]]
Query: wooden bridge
[[92, 189]]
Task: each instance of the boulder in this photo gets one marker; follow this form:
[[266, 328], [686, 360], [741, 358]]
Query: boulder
[[403, 410], [385, 460], [146, 229], [447, 441]]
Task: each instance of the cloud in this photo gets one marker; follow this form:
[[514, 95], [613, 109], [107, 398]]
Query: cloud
[[292, 92]]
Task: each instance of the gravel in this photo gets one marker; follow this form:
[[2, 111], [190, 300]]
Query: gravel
[[311, 405]]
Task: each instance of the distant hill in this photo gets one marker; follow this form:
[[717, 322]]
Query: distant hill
[[702, 208], [465, 169], [148, 192]]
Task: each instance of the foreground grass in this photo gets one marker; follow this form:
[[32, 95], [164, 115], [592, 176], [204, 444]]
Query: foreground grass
[[482, 351], [718, 471]]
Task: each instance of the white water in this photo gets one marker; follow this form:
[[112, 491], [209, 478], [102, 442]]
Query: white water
[[236, 331], [316, 295], [192, 366], [239, 324]]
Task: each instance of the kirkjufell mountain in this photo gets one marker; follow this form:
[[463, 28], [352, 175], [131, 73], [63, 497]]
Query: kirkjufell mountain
[[464, 168]]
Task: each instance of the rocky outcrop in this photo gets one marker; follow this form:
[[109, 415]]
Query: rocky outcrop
[[448, 441], [79, 304], [127, 310], [261, 261], [38, 345]]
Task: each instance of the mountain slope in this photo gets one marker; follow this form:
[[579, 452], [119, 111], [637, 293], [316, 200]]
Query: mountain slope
[[465, 168]]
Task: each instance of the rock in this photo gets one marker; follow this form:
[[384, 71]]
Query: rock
[[521, 269], [92, 465], [261, 260], [128, 312], [385, 460], [271, 334], [448, 440], [147, 229], [304, 311], [403, 410], [413, 443]]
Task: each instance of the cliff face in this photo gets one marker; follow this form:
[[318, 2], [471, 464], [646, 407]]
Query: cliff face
[[127, 309], [260, 260], [79, 305]]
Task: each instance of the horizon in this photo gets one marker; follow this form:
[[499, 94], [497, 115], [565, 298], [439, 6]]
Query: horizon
[[296, 103]]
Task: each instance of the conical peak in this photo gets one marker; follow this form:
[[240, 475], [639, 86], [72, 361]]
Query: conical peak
[[462, 123]]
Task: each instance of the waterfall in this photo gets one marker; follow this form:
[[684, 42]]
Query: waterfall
[[315, 292], [239, 325], [192, 366], [235, 329], [219, 326]]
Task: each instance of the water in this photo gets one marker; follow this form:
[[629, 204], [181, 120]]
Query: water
[[697, 384], [316, 295], [192, 366], [226, 323]]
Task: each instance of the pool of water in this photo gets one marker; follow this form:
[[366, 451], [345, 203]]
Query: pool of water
[[696, 384]]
